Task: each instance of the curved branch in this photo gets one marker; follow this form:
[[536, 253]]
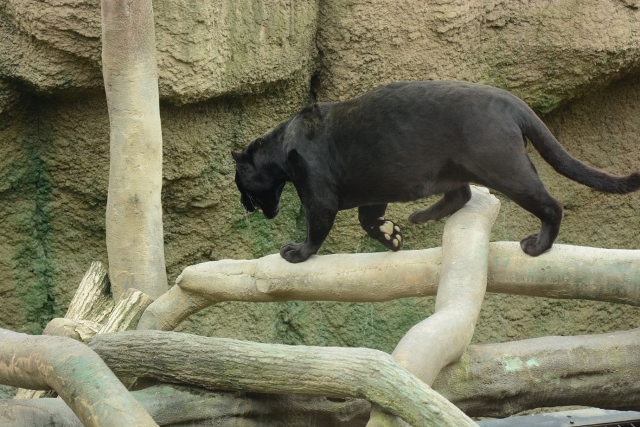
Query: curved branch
[[75, 372], [225, 364], [442, 338]]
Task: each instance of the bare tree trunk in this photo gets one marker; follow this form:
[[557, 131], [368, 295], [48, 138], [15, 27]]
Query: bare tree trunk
[[135, 241], [75, 372], [224, 364]]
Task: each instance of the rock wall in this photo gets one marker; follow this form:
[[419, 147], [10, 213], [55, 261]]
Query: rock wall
[[229, 71]]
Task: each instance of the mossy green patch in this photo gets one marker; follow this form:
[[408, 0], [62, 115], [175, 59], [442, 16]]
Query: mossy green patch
[[34, 269]]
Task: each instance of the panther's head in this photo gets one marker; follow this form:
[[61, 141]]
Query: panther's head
[[260, 185]]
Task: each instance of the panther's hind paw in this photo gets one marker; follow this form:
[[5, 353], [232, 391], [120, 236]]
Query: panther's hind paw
[[388, 233], [531, 245]]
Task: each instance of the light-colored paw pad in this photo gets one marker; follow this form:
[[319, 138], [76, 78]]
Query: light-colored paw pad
[[387, 228], [391, 233]]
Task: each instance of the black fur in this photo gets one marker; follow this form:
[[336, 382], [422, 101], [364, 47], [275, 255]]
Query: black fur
[[403, 142]]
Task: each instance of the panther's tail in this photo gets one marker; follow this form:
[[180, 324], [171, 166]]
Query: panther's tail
[[564, 163]]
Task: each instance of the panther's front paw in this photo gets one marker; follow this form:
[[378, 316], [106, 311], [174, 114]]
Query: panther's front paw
[[388, 233], [296, 252]]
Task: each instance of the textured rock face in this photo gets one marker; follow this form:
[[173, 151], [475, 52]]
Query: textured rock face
[[205, 49], [250, 65], [544, 52]]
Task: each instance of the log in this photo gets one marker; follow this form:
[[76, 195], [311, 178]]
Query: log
[[564, 272], [92, 300], [498, 380], [443, 337], [94, 287], [75, 372], [79, 330], [225, 364], [172, 405], [135, 241], [127, 312]]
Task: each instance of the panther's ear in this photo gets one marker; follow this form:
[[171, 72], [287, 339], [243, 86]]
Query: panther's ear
[[236, 156]]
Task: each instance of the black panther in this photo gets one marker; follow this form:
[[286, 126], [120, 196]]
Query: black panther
[[406, 141]]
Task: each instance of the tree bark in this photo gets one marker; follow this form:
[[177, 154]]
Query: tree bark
[[135, 242], [498, 380], [564, 272], [93, 300], [75, 372], [224, 364]]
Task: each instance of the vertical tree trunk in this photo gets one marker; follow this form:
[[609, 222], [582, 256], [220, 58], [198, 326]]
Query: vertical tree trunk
[[134, 213]]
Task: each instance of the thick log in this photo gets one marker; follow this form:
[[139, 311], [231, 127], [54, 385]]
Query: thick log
[[134, 230], [491, 380], [498, 380], [565, 272], [224, 364], [75, 372]]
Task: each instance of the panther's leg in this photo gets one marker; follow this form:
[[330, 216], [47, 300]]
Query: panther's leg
[[535, 198], [319, 223], [384, 231], [448, 204], [518, 180]]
